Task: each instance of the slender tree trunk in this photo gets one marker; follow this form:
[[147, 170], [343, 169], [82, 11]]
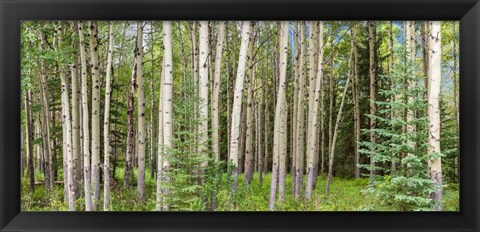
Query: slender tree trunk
[[249, 158], [435, 77], [279, 127], [216, 90], [93, 31], [160, 150], [331, 97], [316, 85], [167, 100], [237, 103], [130, 134], [294, 128], [85, 121], [392, 82], [203, 91], [425, 32], [373, 85], [66, 125], [30, 135], [455, 92], [300, 135], [335, 134], [106, 123], [75, 118], [152, 104], [356, 101], [47, 146], [140, 114]]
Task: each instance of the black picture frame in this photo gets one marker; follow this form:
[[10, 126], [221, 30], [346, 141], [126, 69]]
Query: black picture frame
[[12, 12]]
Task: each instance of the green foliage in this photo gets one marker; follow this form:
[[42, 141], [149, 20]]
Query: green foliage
[[345, 195], [409, 186]]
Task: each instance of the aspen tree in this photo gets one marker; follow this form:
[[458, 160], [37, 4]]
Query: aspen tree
[[107, 149], [95, 181], [316, 85], [294, 128], [237, 102], [167, 100], [434, 75], [85, 121], [160, 150], [249, 159], [216, 90], [300, 135], [331, 154], [279, 126], [140, 113], [203, 91], [46, 136], [75, 99], [67, 126]]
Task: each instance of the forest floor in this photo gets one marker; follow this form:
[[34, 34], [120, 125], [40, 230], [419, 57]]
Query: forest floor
[[345, 195]]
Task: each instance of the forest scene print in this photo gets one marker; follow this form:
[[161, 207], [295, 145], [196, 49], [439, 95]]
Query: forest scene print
[[240, 116]]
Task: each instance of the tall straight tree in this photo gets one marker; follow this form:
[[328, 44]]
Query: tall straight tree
[[93, 42], [216, 90], [372, 73], [316, 88], [356, 100], [300, 134], [140, 113], [203, 90], [160, 150], [29, 123], [85, 121], [75, 116], [435, 76], [46, 136], [66, 123], [237, 103], [331, 150], [167, 99], [279, 125], [106, 123], [249, 157]]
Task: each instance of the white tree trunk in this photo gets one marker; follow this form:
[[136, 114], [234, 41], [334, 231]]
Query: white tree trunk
[[160, 150], [316, 85], [216, 90], [434, 75], [237, 102], [141, 114], [167, 99], [106, 123], [279, 127], [85, 121], [203, 91], [95, 113]]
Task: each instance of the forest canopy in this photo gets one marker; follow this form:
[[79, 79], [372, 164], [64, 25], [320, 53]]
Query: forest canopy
[[240, 116]]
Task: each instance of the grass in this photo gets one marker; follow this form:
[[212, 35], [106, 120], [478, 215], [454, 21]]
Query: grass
[[345, 195]]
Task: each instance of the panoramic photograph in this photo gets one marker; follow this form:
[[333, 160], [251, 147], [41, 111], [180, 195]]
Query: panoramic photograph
[[240, 116]]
